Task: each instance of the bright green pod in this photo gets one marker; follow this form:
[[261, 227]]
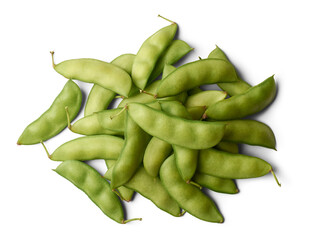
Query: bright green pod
[[190, 198], [89, 148], [54, 120], [94, 186], [250, 132], [175, 108], [125, 193], [89, 70], [156, 152], [230, 147], [131, 155], [205, 98], [186, 161], [234, 88], [230, 165], [112, 119], [194, 74], [252, 101], [176, 50], [194, 91], [90, 125], [174, 130], [152, 189], [149, 53], [125, 61], [221, 185]]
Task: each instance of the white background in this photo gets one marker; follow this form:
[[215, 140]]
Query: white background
[[260, 38]]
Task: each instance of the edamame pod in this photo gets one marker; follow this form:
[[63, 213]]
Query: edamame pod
[[131, 155], [230, 165], [89, 148], [194, 74], [152, 189], [94, 186], [149, 53], [234, 88], [174, 130], [186, 195], [230, 147], [249, 132], [196, 112], [125, 193], [89, 125], [95, 71], [252, 101], [54, 120], [205, 98]]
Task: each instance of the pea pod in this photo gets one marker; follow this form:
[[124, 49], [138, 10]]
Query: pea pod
[[252, 101], [186, 195], [98, 72], [89, 148], [194, 74], [234, 88], [131, 154], [94, 186], [230, 165], [152, 189], [149, 53], [54, 120], [174, 130]]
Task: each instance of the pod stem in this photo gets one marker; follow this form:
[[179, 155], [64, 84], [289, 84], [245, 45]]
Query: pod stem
[[120, 112], [68, 117], [151, 94], [53, 59], [49, 156], [166, 19], [132, 219], [274, 175], [194, 184], [119, 96]]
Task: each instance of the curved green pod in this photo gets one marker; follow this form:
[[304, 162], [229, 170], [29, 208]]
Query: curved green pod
[[234, 88], [174, 130], [205, 98], [250, 132], [90, 125], [98, 72], [94, 186], [230, 165], [190, 198], [125, 193], [194, 74], [196, 112], [175, 108], [176, 50], [54, 120], [112, 119], [230, 147], [152, 189], [89, 148], [131, 155], [252, 101], [149, 53], [217, 184]]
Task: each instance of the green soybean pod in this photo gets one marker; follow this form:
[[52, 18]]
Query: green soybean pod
[[230, 147], [190, 198], [94, 186], [234, 88], [205, 98], [125, 193], [252, 101], [89, 148], [89, 125], [250, 132], [54, 120], [194, 74], [96, 71], [230, 165], [175, 108], [196, 112], [152, 189], [174, 130], [149, 53], [112, 119], [176, 50], [131, 155]]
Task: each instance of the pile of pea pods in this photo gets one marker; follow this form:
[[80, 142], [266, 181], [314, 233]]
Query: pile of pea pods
[[167, 138]]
